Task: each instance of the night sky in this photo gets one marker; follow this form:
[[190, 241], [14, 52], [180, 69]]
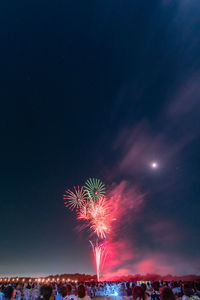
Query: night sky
[[99, 89]]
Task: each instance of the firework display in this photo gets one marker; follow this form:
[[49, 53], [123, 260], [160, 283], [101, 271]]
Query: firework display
[[93, 208]]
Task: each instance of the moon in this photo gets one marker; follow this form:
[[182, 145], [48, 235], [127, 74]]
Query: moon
[[154, 165]]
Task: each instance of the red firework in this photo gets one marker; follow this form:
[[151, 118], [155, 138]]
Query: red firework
[[75, 199], [100, 221], [96, 214]]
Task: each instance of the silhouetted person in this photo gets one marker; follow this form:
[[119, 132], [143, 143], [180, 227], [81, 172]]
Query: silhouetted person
[[167, 294], [144, 287], [70, 295], [63, 291], [138, 293], [197, 289], [46, 292], [155, 295], [9, 293], [128, 289], [82, 293]]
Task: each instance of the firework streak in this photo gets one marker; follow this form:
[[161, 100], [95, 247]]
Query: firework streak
[[100, 256], [93, 209]]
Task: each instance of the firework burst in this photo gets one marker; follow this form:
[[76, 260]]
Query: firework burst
[[99, 217], [75, 199], [95, 188], [96, 217]]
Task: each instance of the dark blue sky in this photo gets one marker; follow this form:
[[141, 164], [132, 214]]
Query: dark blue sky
[[98, 88]]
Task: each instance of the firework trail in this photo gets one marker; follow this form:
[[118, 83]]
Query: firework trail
[[100, 256]]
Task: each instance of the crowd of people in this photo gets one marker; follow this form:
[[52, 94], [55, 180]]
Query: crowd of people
[[85, 291]]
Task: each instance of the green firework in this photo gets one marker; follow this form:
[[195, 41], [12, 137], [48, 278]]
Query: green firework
[[94, 188]]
